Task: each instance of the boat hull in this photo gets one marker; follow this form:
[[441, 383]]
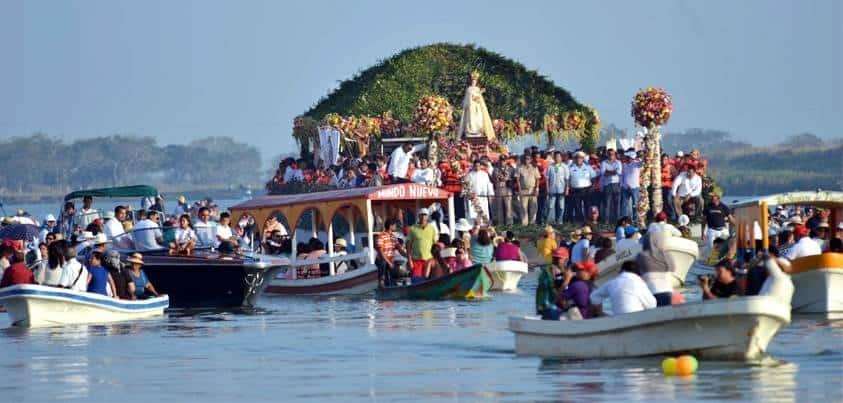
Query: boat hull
[[506, 274], [818, 283], [733, 329], [470, 284], [39, 306], [681, 254], [360, 281]]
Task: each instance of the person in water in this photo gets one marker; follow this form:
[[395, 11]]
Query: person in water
[[139, 285], [99, 279], [550, 280]]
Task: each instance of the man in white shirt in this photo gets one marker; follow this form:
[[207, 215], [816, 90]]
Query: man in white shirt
[[424, 174], [610, 173], [481, 190], [557, 188], [579, 181], [804, 246], [293, 173], [399, 162], [147, 233], [114, 222], [206, 230], [687, 187], [74, 275], [627, 292], [87, 214]]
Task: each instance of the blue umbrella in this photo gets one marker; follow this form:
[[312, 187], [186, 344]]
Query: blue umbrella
[[25, 232]]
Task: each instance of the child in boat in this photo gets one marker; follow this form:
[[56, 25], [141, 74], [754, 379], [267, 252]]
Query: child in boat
[[99, 279], [437, 266]]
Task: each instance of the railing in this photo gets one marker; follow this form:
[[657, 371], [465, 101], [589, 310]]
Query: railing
[[360, 257]]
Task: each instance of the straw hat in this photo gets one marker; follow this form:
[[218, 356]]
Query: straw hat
[[135, 258], [548, 229], [341, 242], [576, 235], [181, 199], [586, 230], [463, 225], [101, 239]]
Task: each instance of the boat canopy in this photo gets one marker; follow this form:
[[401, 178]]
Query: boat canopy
[[326, 204], [115, 192], [752, 215]]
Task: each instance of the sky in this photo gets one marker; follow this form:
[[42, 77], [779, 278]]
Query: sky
[[182, 70]]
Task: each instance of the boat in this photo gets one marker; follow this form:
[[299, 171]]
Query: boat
[[818, 280], [680, 254], [204, 279], [506, 274], [471, 283], [736, 329], [32, 305], [356, 205]]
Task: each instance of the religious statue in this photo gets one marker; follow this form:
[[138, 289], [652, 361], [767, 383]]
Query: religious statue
[[475, 120]]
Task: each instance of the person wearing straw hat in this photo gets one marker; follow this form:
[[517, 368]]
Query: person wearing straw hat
[[546, 245], [579, 253], [139, 285], [100, 242]]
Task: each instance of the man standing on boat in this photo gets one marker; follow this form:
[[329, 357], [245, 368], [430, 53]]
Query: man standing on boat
[[399, 162], [715, 225], [687, 187], [420, 240], [87, 214], [114, 222]]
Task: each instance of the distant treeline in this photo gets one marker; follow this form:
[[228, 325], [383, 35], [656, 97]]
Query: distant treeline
[[39, 163]]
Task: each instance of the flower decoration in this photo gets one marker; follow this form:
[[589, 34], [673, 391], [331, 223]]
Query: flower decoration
[[523, 126], [652, 107], [333, 120], [551, 124], [433, 115], [573, 120], [389, 126]]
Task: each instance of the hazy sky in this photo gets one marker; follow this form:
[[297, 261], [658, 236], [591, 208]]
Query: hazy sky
[[179, 70]]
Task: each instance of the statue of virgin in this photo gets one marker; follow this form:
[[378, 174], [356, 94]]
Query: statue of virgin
[[475, 120]]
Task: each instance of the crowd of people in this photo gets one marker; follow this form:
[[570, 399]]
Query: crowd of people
[[535, 187]]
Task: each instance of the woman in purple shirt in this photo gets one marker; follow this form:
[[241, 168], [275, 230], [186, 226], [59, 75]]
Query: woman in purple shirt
[[576, 289], [508, 250]]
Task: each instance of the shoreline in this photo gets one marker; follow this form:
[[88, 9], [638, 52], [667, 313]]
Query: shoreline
[[169, 192]]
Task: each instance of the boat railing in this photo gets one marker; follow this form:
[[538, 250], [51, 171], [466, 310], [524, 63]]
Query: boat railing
[[359, 258]]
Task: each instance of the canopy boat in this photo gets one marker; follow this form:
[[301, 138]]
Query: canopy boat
[[725, 329], [471, 283], [36, 306], [818, 279], [119, 192], [506, 274], [680, 254], [359, 207]]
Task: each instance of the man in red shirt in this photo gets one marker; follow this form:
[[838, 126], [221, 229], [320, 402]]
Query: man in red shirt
[[17, 273]]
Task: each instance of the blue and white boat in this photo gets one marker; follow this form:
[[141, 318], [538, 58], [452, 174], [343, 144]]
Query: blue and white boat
[[32, 305]]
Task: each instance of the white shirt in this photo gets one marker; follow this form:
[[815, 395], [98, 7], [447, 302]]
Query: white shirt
[[611, 166], [206, 232], [224, 232], [424, 176], [145, 234], [184, 236], [70, 274], [291, 174], [85, 217], [113, 228], [46, 276], [805, 247], [399, 162], [557, 178], [658, 282], [628, 293], [581, 176], [481, 185], [685, 186]]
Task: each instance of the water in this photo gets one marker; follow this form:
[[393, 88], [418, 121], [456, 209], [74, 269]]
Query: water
[[360, 349]]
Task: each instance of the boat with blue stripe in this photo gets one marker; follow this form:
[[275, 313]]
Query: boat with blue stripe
[[32, 305]]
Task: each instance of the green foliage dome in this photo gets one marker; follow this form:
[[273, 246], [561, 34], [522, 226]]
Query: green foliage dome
[[397, 83]]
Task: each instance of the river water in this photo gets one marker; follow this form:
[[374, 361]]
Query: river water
[[361, 349]]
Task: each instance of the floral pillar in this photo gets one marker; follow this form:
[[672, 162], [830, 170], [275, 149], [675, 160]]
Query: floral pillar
[[651, 108]]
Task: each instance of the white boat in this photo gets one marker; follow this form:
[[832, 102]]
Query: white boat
[[352, 282], [680, 253], [729, 329], [37, 306], [506, 274], [818, 281]]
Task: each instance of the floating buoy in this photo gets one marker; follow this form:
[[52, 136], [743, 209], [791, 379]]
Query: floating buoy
[[686, 365], [669, 366]]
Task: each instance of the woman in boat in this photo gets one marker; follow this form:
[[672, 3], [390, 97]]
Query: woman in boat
[[139, 285], [461, 261], [577, 287], [508, 250], [48, 271], [482, 250], [550, 280], [99, 279], [185, 237], [547, 244], [437, 266], [317, 250]]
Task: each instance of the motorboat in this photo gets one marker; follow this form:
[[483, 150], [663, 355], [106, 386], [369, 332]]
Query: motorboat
[[306, 213], [32, 305], [679, 254], [506, 274], [727, 329], [818, 281], [471, 283]]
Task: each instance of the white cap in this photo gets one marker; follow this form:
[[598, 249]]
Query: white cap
[[424, 211], [101, 239], [680, 153], [683, 220], [631, 154], [50, 217]]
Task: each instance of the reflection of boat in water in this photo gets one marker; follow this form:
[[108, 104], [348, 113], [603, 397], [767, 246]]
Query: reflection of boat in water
[[818, 279], [679, 253], [470, 283], [731, 329], [36, 306], [356, 205], [506, 274]]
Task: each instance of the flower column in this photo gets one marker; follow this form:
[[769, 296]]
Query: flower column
[[651, 108]]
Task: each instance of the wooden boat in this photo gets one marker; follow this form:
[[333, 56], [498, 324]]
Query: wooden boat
[[36, 306], [729, 329], [681, 254], [322, 208], [506, 274], [471, 284], [818, 280]]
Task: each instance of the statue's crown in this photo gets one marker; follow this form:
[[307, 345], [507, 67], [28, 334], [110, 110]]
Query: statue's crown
[[475, 75]]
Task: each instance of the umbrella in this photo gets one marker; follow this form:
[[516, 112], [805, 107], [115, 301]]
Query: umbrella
[[24, 232]]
